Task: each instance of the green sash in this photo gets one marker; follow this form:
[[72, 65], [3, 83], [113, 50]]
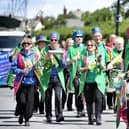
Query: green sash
[[10, 80], [47, 64], [100, 80], [74, 69], [126, 57], [82, 82], [60, 71], [47, 69], [74, 51]]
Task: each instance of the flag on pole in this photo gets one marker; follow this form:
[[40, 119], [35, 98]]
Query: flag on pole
[[122, 107]]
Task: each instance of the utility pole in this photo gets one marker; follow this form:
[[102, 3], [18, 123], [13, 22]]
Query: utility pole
[[117, 17]]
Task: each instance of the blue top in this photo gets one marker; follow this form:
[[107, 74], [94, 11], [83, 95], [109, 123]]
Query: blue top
[[29, 77], [62, 64]]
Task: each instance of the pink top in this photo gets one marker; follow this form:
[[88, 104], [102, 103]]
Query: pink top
[[65, 54]]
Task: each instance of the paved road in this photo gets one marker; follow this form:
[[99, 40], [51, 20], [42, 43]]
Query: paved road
[[9, 121]]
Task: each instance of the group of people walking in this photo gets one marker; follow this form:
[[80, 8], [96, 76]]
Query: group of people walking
[[70, 68]]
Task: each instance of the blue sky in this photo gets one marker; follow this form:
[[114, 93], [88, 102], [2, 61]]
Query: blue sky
[[55, 7]]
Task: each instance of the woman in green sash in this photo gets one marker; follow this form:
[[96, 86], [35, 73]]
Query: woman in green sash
[[23, 66], [91, 67]]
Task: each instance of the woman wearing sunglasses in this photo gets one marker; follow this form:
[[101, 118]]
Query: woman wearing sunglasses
[[23, 66], [90, 65]]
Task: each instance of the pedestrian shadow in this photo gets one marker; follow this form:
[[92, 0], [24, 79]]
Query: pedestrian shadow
[[38, 115], [6, 114], [6, 117], [75, 116], [112, 121], [6, 110], [68, 122], [10, 125]]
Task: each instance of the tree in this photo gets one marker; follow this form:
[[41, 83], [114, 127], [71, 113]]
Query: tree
[[125, 2], [100, 15], [49, 22], [86, 17]]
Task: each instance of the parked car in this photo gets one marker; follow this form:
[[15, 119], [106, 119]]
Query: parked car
[[8, 41]]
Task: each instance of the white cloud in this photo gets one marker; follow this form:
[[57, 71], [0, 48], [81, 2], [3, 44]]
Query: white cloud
[[55, 7]]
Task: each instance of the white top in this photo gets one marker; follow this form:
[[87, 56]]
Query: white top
[[55, 51]]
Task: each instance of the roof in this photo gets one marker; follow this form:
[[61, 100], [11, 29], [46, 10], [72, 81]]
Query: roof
[[74, 23]]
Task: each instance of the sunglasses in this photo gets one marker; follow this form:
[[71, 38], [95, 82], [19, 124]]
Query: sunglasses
[[27, 43], [90, 45], [78, 36], [52, 40]]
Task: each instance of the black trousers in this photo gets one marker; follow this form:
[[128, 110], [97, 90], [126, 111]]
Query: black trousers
[[78, 98], [38, 102], [111, 97], [67, 97], [54, 83], [92, 94], [70, 100], [25, 101]]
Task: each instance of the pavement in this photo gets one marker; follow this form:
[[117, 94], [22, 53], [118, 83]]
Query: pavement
[[9, 121]]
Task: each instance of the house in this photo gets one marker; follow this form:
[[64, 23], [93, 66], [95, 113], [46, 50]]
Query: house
[[74, 23]]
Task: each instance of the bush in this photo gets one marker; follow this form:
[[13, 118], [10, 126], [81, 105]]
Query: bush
[[107, 29]]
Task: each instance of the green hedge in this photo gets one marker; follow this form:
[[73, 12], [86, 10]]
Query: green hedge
[[107, 29]]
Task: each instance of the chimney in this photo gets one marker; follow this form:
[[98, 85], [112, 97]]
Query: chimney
[[65, 11]]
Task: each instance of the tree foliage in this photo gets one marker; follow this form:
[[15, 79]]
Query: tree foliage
[[103, 18], [100, 15]]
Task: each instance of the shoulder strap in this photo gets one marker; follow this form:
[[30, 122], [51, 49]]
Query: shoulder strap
[[36, 57], [85, 63], [85, 60], [108, 49], [20, 61]]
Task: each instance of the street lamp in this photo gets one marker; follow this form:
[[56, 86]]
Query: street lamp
[[117, 18]]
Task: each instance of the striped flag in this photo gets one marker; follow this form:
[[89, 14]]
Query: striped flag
[[122, 107]]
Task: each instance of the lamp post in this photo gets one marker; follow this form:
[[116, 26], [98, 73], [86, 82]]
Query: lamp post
[[117, 19]]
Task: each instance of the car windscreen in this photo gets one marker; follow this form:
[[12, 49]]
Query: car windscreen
[[10, 41]]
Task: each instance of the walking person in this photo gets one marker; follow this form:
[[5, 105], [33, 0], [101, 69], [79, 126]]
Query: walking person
[[116, 62], [73, 56], [67, 97], [53, 77], [41, 42], [25, 82], [91, 66], [103, 53], [125, 57]]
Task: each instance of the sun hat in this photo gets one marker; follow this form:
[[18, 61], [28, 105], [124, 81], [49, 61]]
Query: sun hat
[[78, 33], [96, 29], [54, 35], [41, 38]]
